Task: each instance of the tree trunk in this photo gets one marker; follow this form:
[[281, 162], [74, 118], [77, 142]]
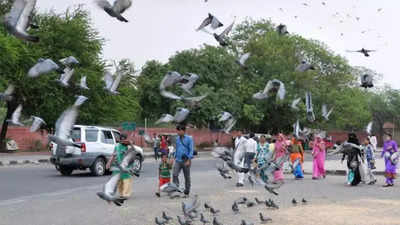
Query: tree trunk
[[11, 106]]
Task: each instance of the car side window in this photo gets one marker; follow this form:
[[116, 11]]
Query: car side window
[[107, 137], [117, 136], [91, 135]]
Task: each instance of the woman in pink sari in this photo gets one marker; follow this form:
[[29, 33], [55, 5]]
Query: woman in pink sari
[[280, 151], [318, 153]]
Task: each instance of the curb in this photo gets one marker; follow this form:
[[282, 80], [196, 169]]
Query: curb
[[340, 172], [23, 162]]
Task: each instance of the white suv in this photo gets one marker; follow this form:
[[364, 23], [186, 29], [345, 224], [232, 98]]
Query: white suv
[[97, 146]]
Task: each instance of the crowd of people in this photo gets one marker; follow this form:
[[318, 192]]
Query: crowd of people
[[360, 158]]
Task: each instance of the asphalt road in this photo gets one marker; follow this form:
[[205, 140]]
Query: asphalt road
[[36, 195]]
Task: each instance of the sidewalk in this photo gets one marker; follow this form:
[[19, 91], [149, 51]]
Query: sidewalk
[[334, 167]]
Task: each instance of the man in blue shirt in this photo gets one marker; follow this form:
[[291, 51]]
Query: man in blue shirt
[[183, 156]]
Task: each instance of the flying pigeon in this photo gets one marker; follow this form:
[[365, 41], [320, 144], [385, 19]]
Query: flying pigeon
[[221, 38], [111, 83], [369, 128], [69, 61], [80, 100], [210, 20], [16, 116], [325, 112], [194, 101], [264, 219], [304, 66], [64, 125], [295, 103], [83, 84], [170, 79], [309, 107], [181, 114], [272, 85], [66, 76], [366, 81], [43, 66], [188, 82], [17, 21], [128, 159], [364, 51], [282, 29], [109, 192], [170, 95], [116, 10], [37, 123], [165, 118], [7, 94], [242, 59]]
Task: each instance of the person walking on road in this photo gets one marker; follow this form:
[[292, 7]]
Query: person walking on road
[[183, 157], [370, 161], [240, 146], [318, 153], [164, 172], [281, 146], [262, 153], [296, 158], [390, 155], [156, 146], [250, 153]]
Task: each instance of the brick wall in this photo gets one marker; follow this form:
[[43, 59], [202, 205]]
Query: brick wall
[[25, 139]]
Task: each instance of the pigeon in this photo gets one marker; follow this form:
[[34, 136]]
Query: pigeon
[[182, 222], [128, 159], [273, 204], [83, 84], [242, 59], [64, 126], [309, 107], [16, 116], [43, 66], [181, 114], [296, 128], [108, 79], [366, 81], [80, 100], [17, 21], [69, 61], [170, 79], [165, 118], [282, 29], [170, 95], [37, 123], [160, 222], [66, 76], [203, 220], [193, 215], [170, 188], [264, 219], [229, 125], [148, 139], [325, 112], [194, 101], [7, 94], [369, 128], [210, 20], [214, 211], [245, 223], [216, 222], [207, 206], [250, 204], [259, 201], [166, 217], [225, 175], [304, 201], [294, 202], [272, 85], [364, 51], [224, 116], [114, 82], [188, 82], [304, 66], [109, 192], [295, 103], [241, 200], [235, 208], [119, 7], [221, 38], [189, 207]]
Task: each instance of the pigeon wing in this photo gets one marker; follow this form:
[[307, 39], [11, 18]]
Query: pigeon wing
[[104, 4], [24, 19], [110, 187], [227, 30], [243, 58], [10, 90], [165, 118], [116, 82], [65, 122], [121, 5], [369, 127], [16, 114], [281, 91], [16, 11], [181, 114], [207, 21], [295, 103], [170, 95], [215, 23], [108, 79], [42, 67]]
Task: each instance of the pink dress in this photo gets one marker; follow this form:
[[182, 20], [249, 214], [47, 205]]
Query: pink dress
[[319, 160], [280, 151]]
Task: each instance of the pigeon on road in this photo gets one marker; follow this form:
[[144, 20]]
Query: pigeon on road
[[235, 208], [264, 219]]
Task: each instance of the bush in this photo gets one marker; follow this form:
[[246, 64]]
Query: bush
[[36, 146], [205, 145]]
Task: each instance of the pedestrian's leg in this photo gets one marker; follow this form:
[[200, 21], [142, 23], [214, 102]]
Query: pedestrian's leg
[[315, 173], [186, 174], [241, 178], [127, 186], [175, 175], [120, 188]]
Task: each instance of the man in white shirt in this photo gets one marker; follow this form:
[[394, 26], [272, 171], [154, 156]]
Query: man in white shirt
[[251, 150], [374, 142], [240, 145]]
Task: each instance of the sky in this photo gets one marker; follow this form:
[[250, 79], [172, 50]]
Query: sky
[[159, 28]]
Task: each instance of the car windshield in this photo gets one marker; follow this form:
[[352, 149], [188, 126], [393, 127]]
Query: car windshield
[[91, 135]]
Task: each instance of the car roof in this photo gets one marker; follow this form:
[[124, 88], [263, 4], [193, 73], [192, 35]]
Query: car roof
[[96, 127]]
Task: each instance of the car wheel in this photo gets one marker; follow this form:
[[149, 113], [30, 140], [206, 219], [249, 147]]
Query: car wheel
[[65, 171], [137, 164], [99, 167]]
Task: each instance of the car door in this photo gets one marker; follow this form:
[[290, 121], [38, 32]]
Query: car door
[[107, 141], [92, 142]]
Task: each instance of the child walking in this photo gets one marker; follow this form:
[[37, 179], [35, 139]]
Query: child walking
[[164, 171], [369, 155]]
